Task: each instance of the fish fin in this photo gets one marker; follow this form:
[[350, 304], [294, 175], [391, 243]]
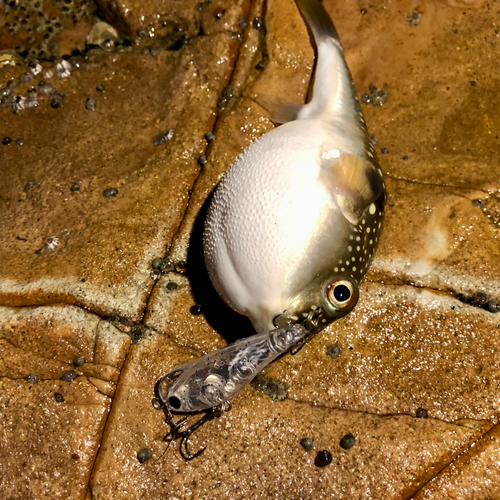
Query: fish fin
[[318, 20], [286, 113], [278, 112], [355, 184]]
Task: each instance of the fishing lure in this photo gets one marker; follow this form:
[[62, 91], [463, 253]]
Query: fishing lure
[[290, 233]]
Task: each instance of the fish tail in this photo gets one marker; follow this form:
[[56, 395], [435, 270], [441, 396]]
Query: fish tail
[[318, 20], [333, 91]]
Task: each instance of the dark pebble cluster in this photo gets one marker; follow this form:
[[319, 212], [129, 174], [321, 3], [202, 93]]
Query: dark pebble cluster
[[376, 96], [481, 299], [163, 265], [137, 332]]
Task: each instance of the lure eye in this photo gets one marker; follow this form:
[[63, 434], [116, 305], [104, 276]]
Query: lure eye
[[342, 294]]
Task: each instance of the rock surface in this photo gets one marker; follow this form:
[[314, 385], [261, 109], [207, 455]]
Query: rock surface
[[103, 287]]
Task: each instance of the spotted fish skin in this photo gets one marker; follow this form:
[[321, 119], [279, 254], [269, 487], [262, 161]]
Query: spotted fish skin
[[302, 207]]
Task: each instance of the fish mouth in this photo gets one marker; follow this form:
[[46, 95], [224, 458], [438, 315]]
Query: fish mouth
[[310, 319]]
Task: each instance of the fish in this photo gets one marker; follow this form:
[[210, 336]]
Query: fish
[[291, 230]]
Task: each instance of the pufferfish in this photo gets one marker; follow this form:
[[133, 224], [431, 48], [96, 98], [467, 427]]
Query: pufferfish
[[291, 230]]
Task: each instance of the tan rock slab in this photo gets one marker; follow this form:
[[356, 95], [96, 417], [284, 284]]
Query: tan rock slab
[[105, 246], [253, 450], [48, 448], [50, 428], [474, 474], [46, 341], [438, 237]]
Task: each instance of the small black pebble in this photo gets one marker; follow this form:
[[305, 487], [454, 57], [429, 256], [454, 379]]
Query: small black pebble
[[480, 299], [257, 23], [126, 322], [209, 136], [69, 376], [323, 458], [242, 23], [421, 413], [202, 160], [195, 310], [32, 379], [333, 351], [137, 333], [57, 100], [59, 397], [6, 141], [461, 297], [155, 274], [307, 444], [366, 98], [75, 187], [182, 264], [79, 361], [171, 285], [100, 88], [162, 138], [260, 65], [478, 203], [405, 157], [472, 83], [166, 266], [363, 11], [108, 193], [28, 186], [384, 151], [157, 263], [90, 104], [493, 306], [144, 455], [19, 141], [347, 442]]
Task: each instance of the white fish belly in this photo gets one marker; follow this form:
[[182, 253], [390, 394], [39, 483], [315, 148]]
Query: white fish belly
[[265, 213]]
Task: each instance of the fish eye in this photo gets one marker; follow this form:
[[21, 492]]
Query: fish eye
[[342, 294]]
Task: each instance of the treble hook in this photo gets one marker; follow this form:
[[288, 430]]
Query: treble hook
[[184, 435]]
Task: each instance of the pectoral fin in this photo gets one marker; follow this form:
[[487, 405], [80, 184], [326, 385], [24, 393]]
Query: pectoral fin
[[355, 183]]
